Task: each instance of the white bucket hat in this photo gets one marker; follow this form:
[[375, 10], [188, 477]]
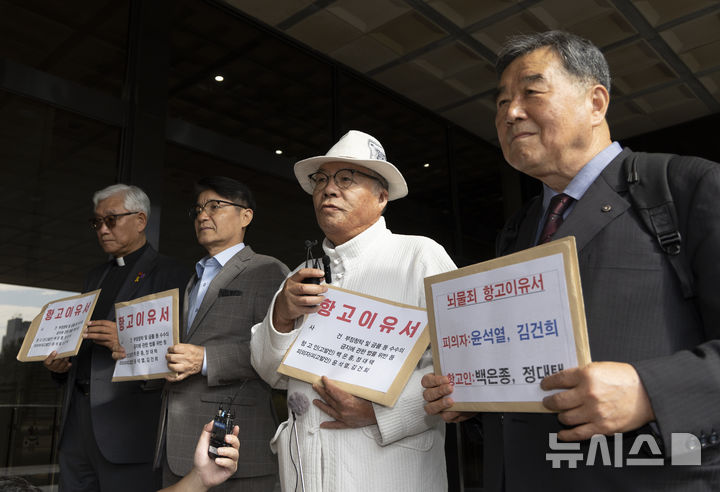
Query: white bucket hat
[[358, 148]]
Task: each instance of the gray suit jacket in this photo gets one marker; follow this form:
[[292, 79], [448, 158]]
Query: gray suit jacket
[[636, 314], [237, 298]]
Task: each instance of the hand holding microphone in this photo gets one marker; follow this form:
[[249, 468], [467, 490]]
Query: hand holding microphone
[[315, 263], [302, 292]]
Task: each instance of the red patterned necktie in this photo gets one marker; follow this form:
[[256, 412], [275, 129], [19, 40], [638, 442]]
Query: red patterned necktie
[[558, 205]]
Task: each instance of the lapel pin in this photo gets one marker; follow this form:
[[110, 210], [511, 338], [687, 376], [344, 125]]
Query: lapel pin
[[139, 276], [606, 208]]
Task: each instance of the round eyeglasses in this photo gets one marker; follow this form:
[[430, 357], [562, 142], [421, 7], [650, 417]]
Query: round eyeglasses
[[210, 207], [109, 220], [344, 178]]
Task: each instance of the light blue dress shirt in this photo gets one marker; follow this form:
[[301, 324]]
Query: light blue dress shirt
[[207, 269], [580, 183]]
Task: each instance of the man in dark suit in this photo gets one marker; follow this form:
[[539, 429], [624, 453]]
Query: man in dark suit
[[107, 433], [659, 351], [230, 292]]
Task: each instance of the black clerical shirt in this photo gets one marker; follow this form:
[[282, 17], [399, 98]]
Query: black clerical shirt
[[114, 278]]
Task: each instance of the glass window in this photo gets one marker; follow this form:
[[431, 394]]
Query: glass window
[[479, 167], [53, 161], [30, 401], [84, 43], [272, 94]]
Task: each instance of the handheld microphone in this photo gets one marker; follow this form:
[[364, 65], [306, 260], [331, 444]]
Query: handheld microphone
[[315, 262], [326, 267]]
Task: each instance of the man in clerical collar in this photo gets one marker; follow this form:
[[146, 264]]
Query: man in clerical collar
[[107, 432], [229, 293]]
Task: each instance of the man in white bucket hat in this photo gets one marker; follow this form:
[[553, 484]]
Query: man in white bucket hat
[[345, 442]]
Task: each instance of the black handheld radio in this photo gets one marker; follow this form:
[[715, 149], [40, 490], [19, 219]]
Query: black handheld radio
[[222, 426], [315, 263]]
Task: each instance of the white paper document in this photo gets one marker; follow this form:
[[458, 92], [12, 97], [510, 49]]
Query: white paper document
[[357, 340], [145, 329], [499, 332], [61, 325]]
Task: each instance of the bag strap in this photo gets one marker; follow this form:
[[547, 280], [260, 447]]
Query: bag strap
[[647, 178]]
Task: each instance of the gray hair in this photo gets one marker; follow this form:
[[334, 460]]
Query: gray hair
[[135, 199], [380, 183], [580, 57]]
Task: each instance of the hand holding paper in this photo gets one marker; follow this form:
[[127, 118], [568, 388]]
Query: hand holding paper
[[184, 359], [55, 364], [601, 398], [58, 330], [103, 332], [146, 327], [348, 411], [119, 353], [501, 326], [297, 299], [437, 394], [368, 346]]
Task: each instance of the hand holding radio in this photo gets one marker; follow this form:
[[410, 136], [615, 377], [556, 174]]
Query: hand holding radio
[[302, 292], [214, 471], [222, 426], [311, 262], [207, 472], [297, 298]]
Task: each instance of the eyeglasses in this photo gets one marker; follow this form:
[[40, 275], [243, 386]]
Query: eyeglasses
[[344, 178], [211, 207], [109, 220]]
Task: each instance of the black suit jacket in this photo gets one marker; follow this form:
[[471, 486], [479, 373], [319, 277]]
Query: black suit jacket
[[636, 314], [125, 415]]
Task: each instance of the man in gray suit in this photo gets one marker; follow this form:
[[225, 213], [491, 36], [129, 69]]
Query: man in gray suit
[[658, 348], [230, 292]]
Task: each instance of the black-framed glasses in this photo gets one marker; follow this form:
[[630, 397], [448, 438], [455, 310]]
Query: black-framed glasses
[[210, 207], [109, 220], [344, 178]]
